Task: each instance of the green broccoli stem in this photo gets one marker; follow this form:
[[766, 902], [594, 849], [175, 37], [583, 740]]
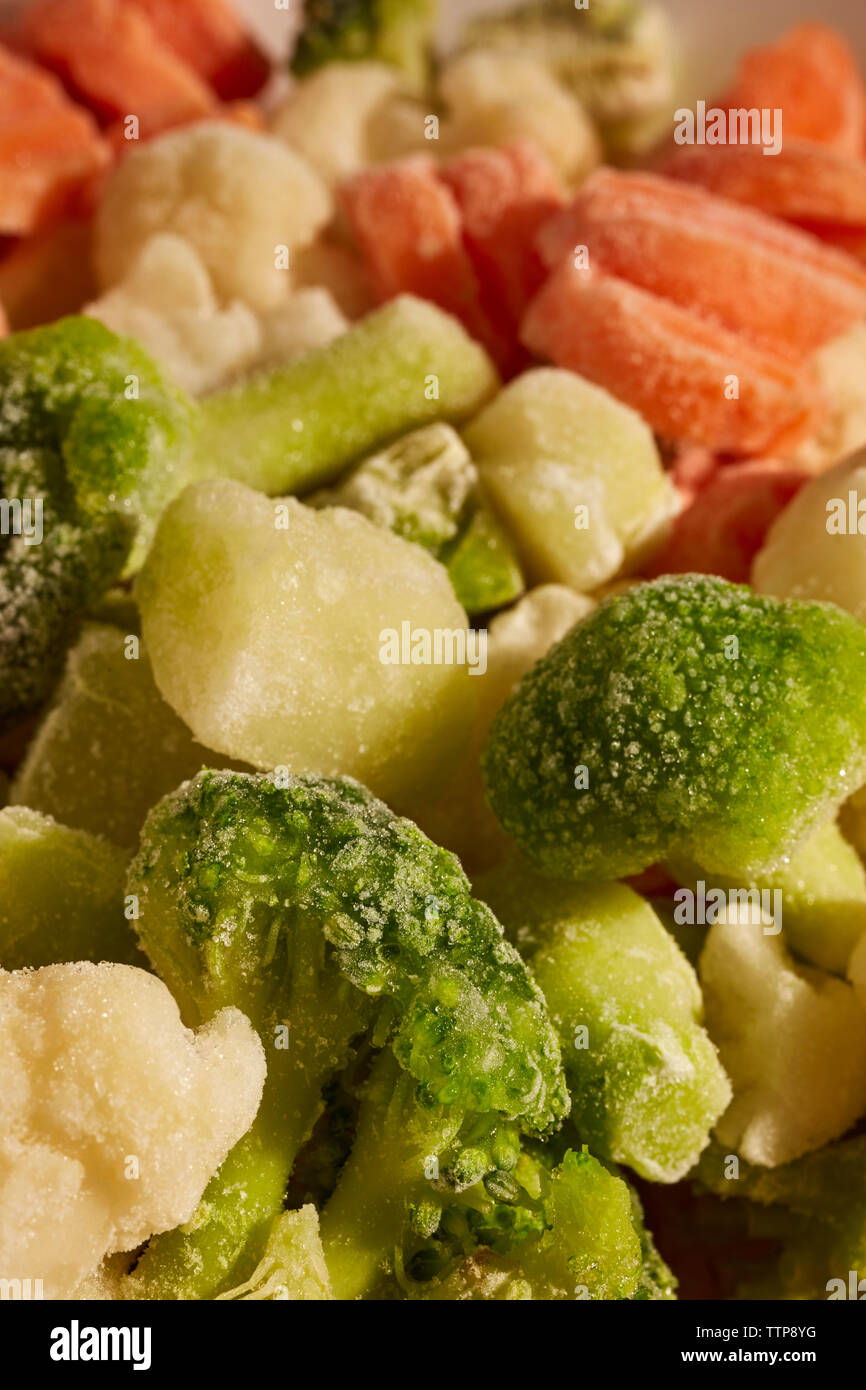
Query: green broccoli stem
[[365, 1219], [222, 1244], [297, 427]]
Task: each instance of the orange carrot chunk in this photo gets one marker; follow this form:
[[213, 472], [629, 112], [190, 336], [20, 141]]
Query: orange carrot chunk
[[690, 380], [778, 287], [504, 196], [408, 227], [49, 148], [812, 76], [109, 55], [724, 525], [208, 36], [804, 183]]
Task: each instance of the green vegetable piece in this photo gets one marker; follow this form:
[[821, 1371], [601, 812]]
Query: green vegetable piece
[[420, 487], [93, 442], [293, 1266], [483, 566], [615, 55], [425, 489], [592, 1249], [110, 746], [819, 893], [301, 904], [646, 1082], [398, 32], [568, 1231], [297, 427], [685, 717], [61, 895]]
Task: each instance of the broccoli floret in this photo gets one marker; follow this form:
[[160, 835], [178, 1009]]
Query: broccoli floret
[[688, 716], [425, 489], [547, 1230], [308, 901], [93, 442], [398, 32]]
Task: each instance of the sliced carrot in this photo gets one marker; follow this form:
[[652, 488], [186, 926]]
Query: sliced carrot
[[505, 195], [49, 147], [778, 287], [109, 55], [689, 380], [804, 183], [725, 523], [208, 36], [812, 76], [4, 323], [408, 227]]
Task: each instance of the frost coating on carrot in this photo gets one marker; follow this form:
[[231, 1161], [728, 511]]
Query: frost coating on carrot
[[813, 77], [688, 379], [781, 289], [50, 150], [687, 715], [109, 54]]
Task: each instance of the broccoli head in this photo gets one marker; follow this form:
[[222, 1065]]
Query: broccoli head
[[309, 900], [553, 1229], [398, 32], [93, 442], [686, 716]]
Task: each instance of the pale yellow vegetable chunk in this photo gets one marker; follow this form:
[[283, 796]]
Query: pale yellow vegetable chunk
[[272, 631], [574, 474], [816, 549]]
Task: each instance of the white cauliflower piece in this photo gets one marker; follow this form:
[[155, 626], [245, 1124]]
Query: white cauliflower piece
[[238, 196], [167, 303], [308, 319], [792, 1040], [328, 117], [113, 1115], [496, 97]]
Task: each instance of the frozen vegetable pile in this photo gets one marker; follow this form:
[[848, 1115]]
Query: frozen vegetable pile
[[432, 661]]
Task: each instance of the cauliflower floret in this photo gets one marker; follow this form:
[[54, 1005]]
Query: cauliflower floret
[[306, 320], [495, 97], [113, 1115], [792, 1040], [167, 303], [327, 117], [238, 196]]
